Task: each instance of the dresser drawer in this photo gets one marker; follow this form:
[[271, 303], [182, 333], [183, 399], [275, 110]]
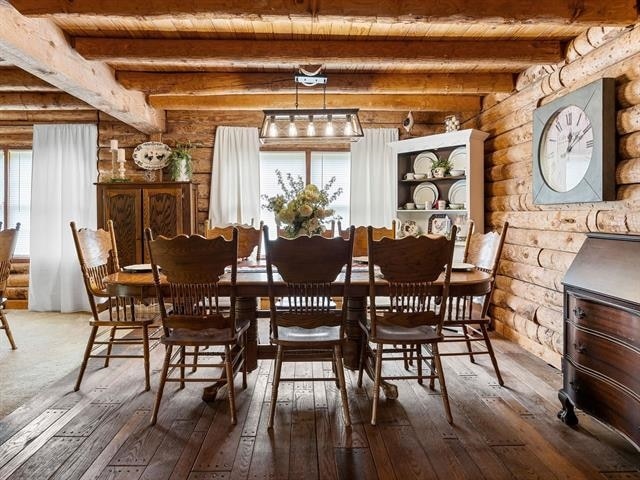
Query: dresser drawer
[[608, 319], [607, 356], [604, 401]]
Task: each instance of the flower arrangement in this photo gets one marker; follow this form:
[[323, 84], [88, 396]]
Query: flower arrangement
[[180, 161], [301, 208]]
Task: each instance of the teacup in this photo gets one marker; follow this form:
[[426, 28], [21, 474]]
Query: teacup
[[410, 206], [409, 176], [420, 206], [419, 176]]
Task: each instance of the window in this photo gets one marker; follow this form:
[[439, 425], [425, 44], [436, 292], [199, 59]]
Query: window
[[314, 167], [15, 194]]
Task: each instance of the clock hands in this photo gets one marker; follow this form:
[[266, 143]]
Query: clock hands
[[573, 142]]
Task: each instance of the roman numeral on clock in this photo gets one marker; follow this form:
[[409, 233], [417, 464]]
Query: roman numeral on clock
[[589, 143]]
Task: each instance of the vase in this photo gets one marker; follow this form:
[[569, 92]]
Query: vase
[[439, 172], [181, 171]]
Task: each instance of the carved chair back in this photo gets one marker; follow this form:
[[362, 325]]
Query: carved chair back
[[360, 240], [249, 238], [8, 240]]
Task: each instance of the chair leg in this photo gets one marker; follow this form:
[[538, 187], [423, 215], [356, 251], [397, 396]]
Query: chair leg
[[443, 385], [492, 354], [112, 335], [404, 357], [363, 353], [87, 352], [7, 330], [469, 349], [182, 369], [196, 350], [343, 385], [376, 384], [276, 384], [432, 380], [145, 353], [419, 361], [163, 379], [244, 361], [230, 385]]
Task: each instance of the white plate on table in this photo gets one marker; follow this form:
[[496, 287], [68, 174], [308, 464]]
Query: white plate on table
[[458, 192], [462, 267], [426, 193], [364, 259], [458, 158], [137, 268], [422, 163]]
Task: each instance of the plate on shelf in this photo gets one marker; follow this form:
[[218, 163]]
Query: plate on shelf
[[152, 155], [137, 268], [422, 163], [426, 193], [458, 192], [458, 158], [439, 224], [462, 267]]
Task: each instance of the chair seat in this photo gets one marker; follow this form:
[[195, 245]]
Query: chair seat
[[397, 334], [207, 336], [298, 336]]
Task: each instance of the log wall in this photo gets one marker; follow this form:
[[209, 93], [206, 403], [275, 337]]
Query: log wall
[[543, 240]]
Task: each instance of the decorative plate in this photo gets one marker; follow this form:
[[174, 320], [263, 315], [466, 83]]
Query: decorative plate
[[423, 162], [458, 158], [152, 155], [410, 228], [458, 192], [439, 224], [426, 193], [461, 267], [138, 268]]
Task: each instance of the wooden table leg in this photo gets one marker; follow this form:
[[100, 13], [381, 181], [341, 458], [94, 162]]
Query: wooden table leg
[[357, 310]]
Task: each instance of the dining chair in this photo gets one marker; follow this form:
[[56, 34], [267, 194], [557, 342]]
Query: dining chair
[[98, 257], [189, 291], [469, 313], [249, 238], [308, 267], [418, 273], [8, 240], [360, 236]]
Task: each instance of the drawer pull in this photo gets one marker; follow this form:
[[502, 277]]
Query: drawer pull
[[580, 347], [575, 386], [579, 313]]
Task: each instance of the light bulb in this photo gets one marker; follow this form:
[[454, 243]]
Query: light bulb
[[311, 128], [293, 131], [328, 130], [348, 128], [273, 129]]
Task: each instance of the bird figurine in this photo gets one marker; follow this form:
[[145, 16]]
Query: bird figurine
[[408, 122]]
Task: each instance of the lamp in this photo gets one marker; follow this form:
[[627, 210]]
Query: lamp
[[321, 125]]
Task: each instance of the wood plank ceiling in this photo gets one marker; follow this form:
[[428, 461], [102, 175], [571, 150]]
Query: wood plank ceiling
[[134, 60]]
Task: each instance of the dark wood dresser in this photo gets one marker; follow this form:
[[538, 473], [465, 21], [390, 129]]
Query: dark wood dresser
[[601, 362], [168, 208]]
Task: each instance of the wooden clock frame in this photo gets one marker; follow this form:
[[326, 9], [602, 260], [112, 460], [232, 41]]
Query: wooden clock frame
[[597, 100]]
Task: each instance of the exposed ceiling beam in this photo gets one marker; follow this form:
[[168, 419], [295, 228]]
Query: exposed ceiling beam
[[584, 12], [41, 48], [41, 101], [262, 83], [427, 103], [16, 80], [286, 53]]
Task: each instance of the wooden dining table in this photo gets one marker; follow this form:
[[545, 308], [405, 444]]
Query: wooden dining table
[[251, 284]]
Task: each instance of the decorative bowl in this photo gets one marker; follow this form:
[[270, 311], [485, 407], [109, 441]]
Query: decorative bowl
[[457, 173], [419, 176]]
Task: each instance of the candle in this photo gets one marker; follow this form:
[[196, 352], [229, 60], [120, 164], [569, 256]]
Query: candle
[[121, 155], [114, 145]]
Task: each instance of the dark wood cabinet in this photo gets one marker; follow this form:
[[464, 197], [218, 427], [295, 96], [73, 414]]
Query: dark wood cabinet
[[601, 362], [168, 208]]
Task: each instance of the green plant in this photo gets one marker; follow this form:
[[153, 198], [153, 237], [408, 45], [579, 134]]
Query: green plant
[[442, 162], [181, 155]]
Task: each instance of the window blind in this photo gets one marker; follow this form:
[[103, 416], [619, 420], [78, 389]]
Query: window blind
[[19, 197]]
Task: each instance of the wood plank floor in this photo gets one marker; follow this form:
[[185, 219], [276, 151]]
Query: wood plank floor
[[103, 431]]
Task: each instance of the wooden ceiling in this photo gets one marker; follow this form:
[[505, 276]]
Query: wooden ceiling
[[134, 60]]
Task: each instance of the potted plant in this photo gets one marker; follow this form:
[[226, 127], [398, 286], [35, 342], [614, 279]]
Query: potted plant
[[180, 162], [441, 167]]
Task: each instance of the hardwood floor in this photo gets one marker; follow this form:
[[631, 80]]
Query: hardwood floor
[[103, 430]]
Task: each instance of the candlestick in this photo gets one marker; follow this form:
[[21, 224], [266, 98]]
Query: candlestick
[[114, 145], [121, 161], [114, 161]]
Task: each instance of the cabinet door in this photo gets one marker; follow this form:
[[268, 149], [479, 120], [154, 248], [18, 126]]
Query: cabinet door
[[122, 206], [162, 211]]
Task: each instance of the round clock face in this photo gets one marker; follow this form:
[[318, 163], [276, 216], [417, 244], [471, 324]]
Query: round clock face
[[566, 148]]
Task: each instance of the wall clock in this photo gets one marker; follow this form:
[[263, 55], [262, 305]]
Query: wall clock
[[574, 146]]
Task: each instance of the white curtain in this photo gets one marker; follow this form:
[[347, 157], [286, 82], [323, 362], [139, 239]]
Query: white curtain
[[62, 190], [235, 176], [372, 189]]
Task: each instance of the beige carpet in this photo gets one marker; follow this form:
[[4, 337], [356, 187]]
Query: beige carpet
[[50, 345]]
